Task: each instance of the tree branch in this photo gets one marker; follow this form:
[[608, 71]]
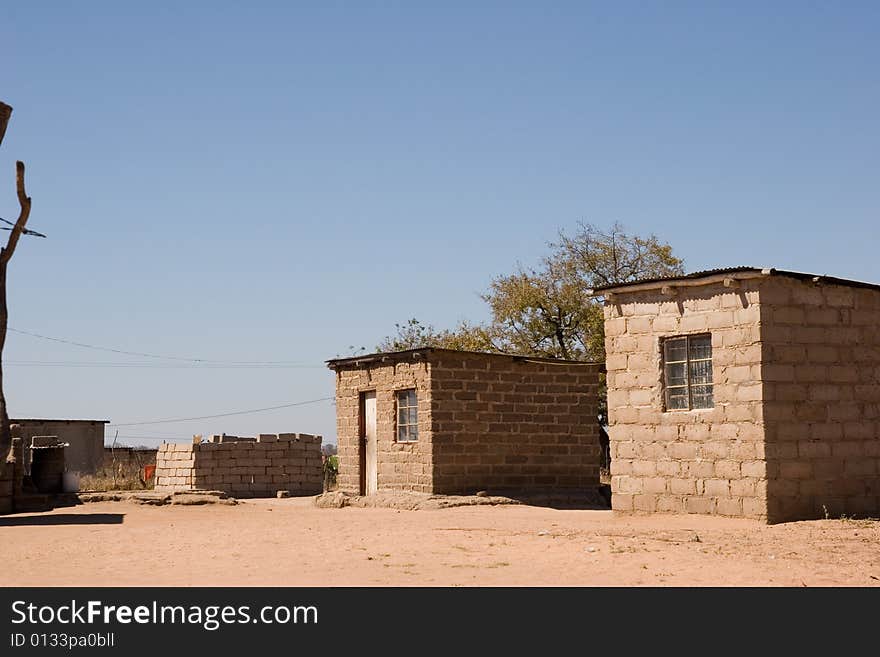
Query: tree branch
[[25, 202], [5, 113]]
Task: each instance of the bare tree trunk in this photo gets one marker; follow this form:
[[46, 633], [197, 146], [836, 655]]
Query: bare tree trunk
[[6, 253], [5, 113], [5, 432]]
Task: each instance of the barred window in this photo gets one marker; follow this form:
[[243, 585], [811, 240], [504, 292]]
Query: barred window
[[407, 416], [687, 372]]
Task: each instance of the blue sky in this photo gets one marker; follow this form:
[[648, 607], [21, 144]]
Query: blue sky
[[279, 181]]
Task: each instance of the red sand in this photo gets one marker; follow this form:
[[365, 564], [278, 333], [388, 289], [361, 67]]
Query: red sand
[[290, 543]]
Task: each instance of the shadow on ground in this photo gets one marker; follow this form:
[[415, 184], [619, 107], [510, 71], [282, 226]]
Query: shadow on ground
[[63, 519]]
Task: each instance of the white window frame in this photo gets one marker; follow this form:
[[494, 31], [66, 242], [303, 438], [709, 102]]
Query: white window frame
[[410, 430], [688, 386]]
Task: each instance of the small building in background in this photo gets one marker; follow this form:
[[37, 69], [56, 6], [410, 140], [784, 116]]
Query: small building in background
[[744, 392], [453, 422], [85, 438]]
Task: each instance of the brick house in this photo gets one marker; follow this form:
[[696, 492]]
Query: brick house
[[446, 422], [85, 441], [744, 392]]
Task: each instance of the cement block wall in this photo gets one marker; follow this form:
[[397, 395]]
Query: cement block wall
[[821, 399], [257, 468], [795, 430], [513, 425], [486, 422], [701, 461]]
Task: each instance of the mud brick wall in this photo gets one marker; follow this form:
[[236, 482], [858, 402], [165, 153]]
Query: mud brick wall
[[486, 422], [11, 476], [249, 468], [513, 425], [822, 399], [701, 461], [400, 466], [7, 497]]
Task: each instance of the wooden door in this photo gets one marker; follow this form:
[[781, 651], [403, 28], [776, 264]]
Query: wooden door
[[370, 461]]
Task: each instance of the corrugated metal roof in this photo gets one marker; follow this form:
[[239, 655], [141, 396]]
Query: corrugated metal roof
[[803, 276], [392, 356]]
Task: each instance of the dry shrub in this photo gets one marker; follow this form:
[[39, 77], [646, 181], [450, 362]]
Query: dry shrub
[[118, 474]]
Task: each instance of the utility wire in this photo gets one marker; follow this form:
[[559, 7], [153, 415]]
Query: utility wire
[[24, 231], [145, 355], [207, 365], [167, 438], [209, 417]]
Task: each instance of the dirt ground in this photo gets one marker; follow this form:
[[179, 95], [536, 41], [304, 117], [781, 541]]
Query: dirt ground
[[293, 543]]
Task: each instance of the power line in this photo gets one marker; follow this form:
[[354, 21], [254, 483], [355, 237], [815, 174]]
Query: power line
[[209, 417], [205, 365], [146, 355], [162, 438]]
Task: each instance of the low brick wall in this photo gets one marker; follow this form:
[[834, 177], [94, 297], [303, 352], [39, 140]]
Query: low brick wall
[[245, 468], [11, 477]]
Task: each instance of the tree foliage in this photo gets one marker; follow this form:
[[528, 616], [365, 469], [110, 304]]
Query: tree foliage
[[547, 310], [414, 335]]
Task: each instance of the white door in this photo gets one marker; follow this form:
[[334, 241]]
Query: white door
[[370, 448]]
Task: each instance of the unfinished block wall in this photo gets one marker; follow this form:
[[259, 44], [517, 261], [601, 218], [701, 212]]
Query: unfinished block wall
[[506, 424], [822, 399], [12, 476], [701, 461], [247, 468], [401, 466]]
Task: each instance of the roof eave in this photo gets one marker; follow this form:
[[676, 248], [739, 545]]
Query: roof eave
[[726, 278]]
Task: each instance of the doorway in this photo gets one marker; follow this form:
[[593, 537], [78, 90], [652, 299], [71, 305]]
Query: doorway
[[369, 469]]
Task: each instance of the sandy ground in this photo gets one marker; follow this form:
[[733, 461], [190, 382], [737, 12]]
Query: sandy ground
[[292, 543]]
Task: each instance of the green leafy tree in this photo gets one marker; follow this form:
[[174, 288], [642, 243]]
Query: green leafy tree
[[548, 311], [609, 257], [415, 335], [542, 312]]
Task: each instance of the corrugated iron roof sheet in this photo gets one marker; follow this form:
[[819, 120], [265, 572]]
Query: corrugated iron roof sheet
[[819, 278], [423, 352]]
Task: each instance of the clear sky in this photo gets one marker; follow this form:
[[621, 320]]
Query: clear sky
[[279, 181]]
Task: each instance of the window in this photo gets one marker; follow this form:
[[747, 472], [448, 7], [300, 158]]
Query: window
[[407, 416], [687, 372]]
